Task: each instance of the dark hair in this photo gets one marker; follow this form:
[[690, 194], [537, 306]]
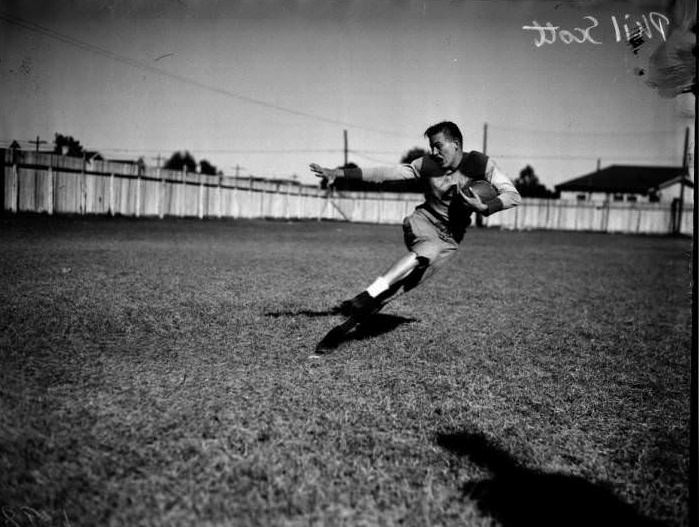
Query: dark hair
[[448, 128]]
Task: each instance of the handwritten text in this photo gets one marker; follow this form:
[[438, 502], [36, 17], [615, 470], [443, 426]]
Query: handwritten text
[[627, 28]]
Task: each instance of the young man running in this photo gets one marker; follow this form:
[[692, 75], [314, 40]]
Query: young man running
[[432, 233]]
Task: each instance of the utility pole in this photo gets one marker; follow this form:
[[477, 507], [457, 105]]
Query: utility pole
[[38, 142], [344, 134], [485, 138], [685, 174]]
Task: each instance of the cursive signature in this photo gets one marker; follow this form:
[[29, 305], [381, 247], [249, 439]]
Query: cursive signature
[[625, 29]]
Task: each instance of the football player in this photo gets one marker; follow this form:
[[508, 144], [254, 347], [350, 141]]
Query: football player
[[432, 233]]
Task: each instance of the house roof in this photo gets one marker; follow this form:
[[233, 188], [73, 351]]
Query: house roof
[[626, 179]]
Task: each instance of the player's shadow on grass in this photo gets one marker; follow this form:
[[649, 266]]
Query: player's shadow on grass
[[301, 313], [378, 324], [517, 496], [374, 326]]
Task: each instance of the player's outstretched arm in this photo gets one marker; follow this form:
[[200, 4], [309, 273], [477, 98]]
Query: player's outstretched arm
[[374, 175]]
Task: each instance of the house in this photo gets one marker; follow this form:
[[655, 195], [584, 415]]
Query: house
[[642, 184]]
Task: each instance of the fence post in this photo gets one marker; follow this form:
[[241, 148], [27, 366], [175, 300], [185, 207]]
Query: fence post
[[287, 201], [200, 203], [37, 205], [51, 185], [674, 216], [638, 218], [15, 183], [183, 192], [250, 189], [326, 201], [218, 196], [235, 209], [299, 202], [161, 191], [263, 197], [111, 193], [83, 185], [138, 190]]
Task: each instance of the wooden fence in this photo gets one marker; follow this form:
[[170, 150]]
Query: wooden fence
[[53, 184]]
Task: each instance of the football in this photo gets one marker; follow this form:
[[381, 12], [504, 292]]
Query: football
[[483, 190]]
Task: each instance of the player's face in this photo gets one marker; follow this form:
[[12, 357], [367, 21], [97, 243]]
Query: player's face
[[445, 151]]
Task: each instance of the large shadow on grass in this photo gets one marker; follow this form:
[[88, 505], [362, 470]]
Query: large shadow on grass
[[517, 496]]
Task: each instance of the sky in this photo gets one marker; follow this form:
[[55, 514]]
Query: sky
[[265, 87]]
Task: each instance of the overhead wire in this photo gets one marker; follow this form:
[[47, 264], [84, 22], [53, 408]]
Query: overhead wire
[[85, 46], [578, 133], [366, 154], [369, 155]]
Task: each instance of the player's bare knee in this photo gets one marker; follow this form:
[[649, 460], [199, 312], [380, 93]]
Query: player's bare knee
[[422, 262]]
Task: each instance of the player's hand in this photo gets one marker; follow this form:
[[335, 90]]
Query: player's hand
[[472, 200], [327, 174]]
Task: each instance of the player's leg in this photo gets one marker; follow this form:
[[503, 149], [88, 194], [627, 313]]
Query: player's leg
[[380, 290], [431, 243], [427, 245]]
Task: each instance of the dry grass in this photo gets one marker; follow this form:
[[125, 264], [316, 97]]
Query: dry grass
[[157, 372]]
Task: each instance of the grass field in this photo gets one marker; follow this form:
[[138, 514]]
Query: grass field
[[158, 373]]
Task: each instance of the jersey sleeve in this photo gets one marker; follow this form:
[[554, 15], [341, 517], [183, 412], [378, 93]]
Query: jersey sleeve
[[508, 196], [385, 173]]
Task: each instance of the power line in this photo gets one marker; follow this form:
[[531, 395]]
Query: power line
[[584, 133], [368, 157], [85, 46], [227, 151], [576, 158]]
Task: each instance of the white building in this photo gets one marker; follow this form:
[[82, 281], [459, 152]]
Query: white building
[[626, 183]]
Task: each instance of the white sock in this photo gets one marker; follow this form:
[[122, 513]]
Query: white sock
[[379, 286]]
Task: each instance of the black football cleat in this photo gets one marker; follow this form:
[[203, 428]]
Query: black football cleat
[[360, 306]]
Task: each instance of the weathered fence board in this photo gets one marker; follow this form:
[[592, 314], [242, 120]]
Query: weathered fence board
[[48, 183]]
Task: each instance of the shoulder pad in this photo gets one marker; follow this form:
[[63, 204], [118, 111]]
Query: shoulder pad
[[473, 165]]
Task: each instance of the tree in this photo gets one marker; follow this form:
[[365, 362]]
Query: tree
[[528, 185], [207, 168], [66, 145], [180, 160]]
